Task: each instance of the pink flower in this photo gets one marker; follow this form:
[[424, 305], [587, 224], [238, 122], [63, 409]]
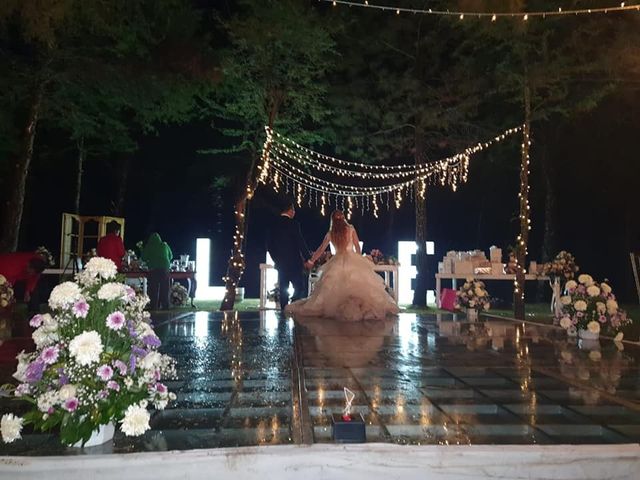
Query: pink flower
[[36, 321], [161, 388], [115, 321], [71, 404], [113, 385], [49, 355], [105, 372], [580, 314], [80, 309], [121, 366], [602, 319], [22, 389], [131, 293]]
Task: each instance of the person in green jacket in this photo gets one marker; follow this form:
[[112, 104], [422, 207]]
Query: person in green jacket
[[157, 255]]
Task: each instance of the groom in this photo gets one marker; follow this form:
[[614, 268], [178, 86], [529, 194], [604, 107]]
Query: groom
[[289, 252]]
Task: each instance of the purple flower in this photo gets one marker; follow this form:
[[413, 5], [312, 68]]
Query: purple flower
[[580, 314], [34, 371], [105, 372], [49, 355], [113, 385], [71, 404], [161, 388], [36, 321], [140, 352], [121, 366], [51, 410], [132, 363], [151, 341], [80, 309], [602, 319], [103, 394], [63, 379], [115, 321]]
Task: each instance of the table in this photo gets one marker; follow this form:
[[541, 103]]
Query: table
[[190, 277], [482, 277], [390, 273]]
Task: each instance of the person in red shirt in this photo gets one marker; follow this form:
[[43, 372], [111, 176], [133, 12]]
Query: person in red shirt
[[22, 270], [111, 245]]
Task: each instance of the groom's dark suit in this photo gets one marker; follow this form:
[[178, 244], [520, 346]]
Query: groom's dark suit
[[289, 251]]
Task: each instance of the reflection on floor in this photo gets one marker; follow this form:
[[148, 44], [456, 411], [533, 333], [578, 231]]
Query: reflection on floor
[[257, 379]]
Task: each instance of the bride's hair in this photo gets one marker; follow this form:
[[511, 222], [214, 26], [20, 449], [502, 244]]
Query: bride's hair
[[339, 229]]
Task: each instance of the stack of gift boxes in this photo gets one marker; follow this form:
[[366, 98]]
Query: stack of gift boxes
[[473, 262]]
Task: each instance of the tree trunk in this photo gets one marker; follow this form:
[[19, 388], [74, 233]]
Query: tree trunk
[[13, 207], [236, 265], [523, 237], [82, 153], [420, 291], [121, 187]]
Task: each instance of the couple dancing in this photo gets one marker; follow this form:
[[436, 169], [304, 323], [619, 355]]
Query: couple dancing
[[348, 288]]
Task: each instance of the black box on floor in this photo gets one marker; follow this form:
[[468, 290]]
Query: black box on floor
[[351, 430]]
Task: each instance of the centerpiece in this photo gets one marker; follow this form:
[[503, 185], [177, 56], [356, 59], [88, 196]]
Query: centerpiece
[[379, 258], [472, 296], [589, 307], [7, 299], [96, 362], [561, 269], [179, 295]]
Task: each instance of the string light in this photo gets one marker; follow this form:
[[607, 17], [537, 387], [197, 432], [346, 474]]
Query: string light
[[492, 15], [309, 173]]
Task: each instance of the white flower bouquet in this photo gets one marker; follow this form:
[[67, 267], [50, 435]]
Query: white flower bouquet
[[588, 305], [178, 295], [7, 297], [473, 295], [96, 361]]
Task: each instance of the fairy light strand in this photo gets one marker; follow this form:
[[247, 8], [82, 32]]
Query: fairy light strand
[[494, 16]]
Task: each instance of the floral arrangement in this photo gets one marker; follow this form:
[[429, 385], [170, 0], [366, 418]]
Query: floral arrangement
[[6, 293], [377, 257], [473, 295], [322, 259], [592, 306], [96, 361], [131, 263], [563, 266], [178, 295], [88, 255], [46, 256]]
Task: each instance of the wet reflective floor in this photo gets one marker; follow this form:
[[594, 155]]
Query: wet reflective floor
[[261, 379]]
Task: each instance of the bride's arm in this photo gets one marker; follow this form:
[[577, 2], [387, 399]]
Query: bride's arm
[[321, 249], [356, 241]]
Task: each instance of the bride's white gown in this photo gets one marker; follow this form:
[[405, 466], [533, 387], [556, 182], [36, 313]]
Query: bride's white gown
[[348, 289]]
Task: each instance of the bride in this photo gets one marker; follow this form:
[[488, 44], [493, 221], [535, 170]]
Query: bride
[[348, 289]]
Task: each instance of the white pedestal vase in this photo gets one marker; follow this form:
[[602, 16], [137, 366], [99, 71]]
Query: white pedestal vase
[[103, 434], [472, 314], [556, 306], [587, 335]]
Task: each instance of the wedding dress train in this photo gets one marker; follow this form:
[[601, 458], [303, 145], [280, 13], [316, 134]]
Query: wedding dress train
[[348, 289]]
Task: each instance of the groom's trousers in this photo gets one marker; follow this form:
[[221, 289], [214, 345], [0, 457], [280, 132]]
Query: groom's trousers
[[296, 277]]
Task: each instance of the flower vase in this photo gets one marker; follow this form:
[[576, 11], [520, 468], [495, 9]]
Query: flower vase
[[103, 434], [587, 335], [472, 314], [556, 306]]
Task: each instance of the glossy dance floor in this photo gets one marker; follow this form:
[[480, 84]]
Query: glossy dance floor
[[260, 379]]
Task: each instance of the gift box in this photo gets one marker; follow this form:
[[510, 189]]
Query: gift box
[[497, 268], [495, 254], [448, 299], [348, 428], [463, 267]]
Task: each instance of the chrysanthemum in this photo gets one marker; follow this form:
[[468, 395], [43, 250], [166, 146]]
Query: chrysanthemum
[[86, 347]]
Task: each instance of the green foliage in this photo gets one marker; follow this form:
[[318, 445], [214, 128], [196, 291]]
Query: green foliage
[[274, 73]]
